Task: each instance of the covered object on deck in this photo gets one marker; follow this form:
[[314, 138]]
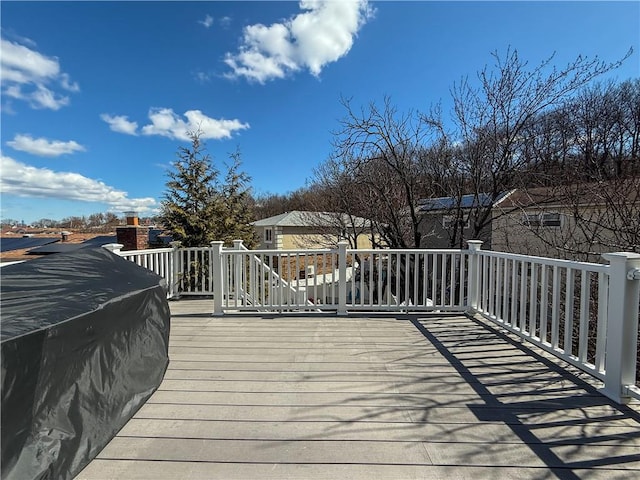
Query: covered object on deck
[[84, 342]]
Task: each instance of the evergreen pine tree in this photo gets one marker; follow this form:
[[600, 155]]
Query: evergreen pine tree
[[237, 211], [191, 205]]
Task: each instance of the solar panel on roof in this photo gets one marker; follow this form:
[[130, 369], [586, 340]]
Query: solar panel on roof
[[466, 201], [9, 244]]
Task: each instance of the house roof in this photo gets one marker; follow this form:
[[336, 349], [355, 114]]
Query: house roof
[[464, 202], [298, 218], [8, 244], [70, 247], [583, 194]]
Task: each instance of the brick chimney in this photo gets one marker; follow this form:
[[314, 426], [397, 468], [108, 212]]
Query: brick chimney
[[133, 236]]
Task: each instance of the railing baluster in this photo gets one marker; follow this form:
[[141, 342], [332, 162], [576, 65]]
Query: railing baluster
[[583, 336], [486, 284], [491, 299], [416, 279], [398, 295], [523, 296], [443, 278], [533, 298], [498, 293], [543, 303], [504, 308], [407, 280], [601, 335], [568, 315], [379, 278], [555, 308], [513, 320], [360, 296], [452, 274], [434, 275], [352, 288]]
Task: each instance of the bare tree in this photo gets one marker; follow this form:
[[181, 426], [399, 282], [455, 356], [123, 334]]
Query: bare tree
[[495, 116], [379, 149]]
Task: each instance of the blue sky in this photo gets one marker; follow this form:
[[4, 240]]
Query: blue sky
[[97, 96]]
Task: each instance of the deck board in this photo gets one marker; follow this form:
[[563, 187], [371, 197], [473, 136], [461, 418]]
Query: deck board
[[386, 396]]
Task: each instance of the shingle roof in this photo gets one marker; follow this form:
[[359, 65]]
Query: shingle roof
[[299, 218]]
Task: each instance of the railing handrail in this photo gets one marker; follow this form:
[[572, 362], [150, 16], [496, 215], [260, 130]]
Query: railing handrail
[[290, 251], [406, 250], [594, 267], [131, 253]]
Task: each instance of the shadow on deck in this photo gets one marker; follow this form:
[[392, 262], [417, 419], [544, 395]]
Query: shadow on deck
[[380, 397]]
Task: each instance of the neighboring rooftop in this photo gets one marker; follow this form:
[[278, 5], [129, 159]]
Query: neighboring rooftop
[[16, 248], [8, 244], [64, 247], [298, 218]]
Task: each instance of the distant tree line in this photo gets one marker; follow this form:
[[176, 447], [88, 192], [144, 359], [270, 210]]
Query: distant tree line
[[103, 222]]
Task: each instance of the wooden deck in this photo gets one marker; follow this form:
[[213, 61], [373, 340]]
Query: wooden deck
[[380, 397]]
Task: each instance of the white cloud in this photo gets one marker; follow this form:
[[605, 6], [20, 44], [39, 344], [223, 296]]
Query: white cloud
[[207, 22], [322, 34], [26, 181], [44, 147], [166, 123], [120, 124], [31, 76]]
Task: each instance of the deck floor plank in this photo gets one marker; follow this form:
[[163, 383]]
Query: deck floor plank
[[385, 396]]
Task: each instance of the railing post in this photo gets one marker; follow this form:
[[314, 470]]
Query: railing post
[[342, 277], [622, 324], [174, 275], [114, 247], [217, 276], [473, 274]]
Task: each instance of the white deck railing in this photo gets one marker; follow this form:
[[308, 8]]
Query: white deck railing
[[584, 313], [558, 305]]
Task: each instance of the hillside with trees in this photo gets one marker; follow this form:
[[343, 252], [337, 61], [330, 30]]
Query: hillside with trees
[[515, 126]]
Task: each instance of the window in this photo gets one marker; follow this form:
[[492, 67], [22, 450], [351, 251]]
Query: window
[[268, 235], [449, 220], [542, 220], [551, 220]]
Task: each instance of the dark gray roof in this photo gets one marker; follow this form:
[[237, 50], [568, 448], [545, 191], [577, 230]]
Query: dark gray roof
[[8, 244], [70, 247]]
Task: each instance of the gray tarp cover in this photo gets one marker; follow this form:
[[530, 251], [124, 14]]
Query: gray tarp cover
[[84, 340]]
